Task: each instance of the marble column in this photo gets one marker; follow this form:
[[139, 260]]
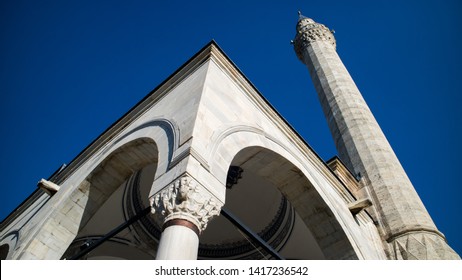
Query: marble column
[[184, 208]]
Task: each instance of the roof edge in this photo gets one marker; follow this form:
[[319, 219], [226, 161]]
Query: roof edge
[[210, 51], [112, 131]]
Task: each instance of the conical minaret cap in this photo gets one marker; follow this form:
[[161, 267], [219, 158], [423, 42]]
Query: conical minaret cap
[[303, 20]]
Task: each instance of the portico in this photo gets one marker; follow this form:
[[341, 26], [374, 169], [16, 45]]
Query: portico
[[172, 152]]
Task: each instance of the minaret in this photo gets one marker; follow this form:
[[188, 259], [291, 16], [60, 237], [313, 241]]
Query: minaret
[[406, 226]]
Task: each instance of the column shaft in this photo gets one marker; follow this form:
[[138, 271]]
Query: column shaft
[[178, 243]]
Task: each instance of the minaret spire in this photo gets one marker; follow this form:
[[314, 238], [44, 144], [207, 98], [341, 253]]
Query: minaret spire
[[407, 227], [301, 16]]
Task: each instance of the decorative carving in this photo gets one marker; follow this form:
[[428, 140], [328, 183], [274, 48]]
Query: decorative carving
[[422, 246], [186, 199], [309, 31]]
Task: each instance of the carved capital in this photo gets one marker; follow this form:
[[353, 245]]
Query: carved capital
[[309, 31], [186, 199]]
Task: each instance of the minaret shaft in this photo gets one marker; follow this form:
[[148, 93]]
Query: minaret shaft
[[364, 148], [362, 145]]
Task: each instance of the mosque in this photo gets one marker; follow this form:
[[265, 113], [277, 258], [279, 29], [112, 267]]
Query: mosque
[[205, 168]]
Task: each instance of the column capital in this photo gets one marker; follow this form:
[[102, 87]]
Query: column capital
[[309, 31], [186, 199]]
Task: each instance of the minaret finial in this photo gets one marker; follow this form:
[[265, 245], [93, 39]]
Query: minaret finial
[[301, 16]]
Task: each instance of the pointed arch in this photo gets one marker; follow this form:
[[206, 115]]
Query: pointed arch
[[299, 180], [89, 185]]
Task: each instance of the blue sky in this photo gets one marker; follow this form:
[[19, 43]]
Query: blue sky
[[69, 69]]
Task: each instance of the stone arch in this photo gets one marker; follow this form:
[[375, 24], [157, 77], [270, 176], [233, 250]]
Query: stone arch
[[153, 142], [165, 133], [296, 180], [117, 167], [73, 212]]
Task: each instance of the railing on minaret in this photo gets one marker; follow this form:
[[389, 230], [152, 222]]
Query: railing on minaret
[[407, 227]]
